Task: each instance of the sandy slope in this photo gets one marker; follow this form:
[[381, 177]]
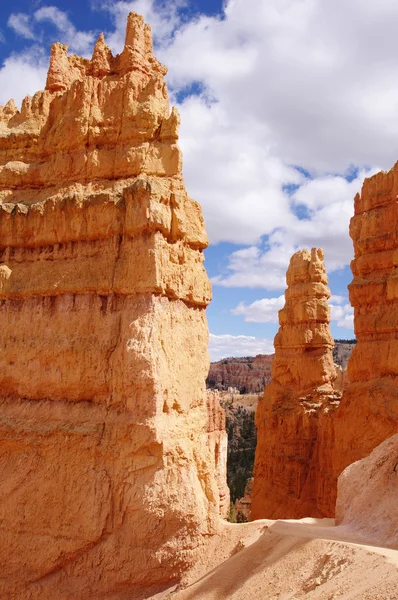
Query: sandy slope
[[288, 560]]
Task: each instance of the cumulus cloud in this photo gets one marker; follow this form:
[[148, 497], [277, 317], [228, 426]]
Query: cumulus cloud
[[222, 346], [23, 74], [28, 26], [328, 204], [79, 41], [21, 24], [260, 311], [266, 311], [343, 315]]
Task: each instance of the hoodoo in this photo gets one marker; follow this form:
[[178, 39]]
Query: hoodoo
[[108, 478], [369, 408], [293, 475]]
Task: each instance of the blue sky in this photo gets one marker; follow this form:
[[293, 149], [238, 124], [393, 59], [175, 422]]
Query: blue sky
[[286, 106]]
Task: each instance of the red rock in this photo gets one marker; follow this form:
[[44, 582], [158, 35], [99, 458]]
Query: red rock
[[369, 408], [293, 465]]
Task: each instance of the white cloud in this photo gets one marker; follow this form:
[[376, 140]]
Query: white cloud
[[223, 346], [343, 315], [20, 23], [335, 299], [329, 205], [260, 311], [23, 74], [27, 26], [79, 41], [266, 311]]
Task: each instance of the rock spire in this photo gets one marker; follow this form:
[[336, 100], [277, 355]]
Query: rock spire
[[291, 477], [369, 408], [108, 468]]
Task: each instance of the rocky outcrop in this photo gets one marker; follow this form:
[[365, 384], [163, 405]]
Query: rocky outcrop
[[293, 465], [107, 480], [218, 445], [369, 409], [243, 505], [367, 495], [249, 375], [342, 352]]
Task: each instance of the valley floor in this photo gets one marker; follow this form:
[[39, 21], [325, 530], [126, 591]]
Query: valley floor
[[290, 560]]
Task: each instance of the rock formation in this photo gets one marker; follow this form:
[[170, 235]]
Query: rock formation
[[369, 408], [249, 375], [107, 480], [243, 505], [218, 446], [367, 495], [293, 463]]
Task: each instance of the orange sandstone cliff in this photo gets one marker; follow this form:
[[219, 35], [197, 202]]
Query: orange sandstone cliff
[[368, 413], [107, 464], [293, 473]]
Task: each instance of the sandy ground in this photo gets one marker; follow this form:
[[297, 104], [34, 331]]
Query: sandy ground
[[290, 560]]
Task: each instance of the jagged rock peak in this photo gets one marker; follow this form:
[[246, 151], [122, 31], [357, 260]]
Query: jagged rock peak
[[106, 421]]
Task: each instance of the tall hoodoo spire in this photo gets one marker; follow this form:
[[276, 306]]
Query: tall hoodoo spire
[[290, 473]]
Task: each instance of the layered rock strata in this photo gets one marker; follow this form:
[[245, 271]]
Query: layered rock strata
[[243, 505], [249, 375], [107, 479], [218, 446], [293, 473], [369, 409]]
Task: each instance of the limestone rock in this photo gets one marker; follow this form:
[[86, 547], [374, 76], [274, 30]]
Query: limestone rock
[[293, 463], [249, 375], [243, 505], [107, 475], [369, 408], [367, 495], [218, 445]]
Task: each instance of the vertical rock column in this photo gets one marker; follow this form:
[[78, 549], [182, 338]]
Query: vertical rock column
[[368, 413], [218, 445], [107, 482], [293, 462]]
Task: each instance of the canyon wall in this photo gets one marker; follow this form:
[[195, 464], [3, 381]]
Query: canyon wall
[[293, 471], [249, 375], [107, 464], [368, 413]]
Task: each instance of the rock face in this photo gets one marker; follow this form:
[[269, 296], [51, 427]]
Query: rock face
[[243, 505], [367, 495], [293, 464], [369, 409], [107, 480], [249, 375], [218, 445]]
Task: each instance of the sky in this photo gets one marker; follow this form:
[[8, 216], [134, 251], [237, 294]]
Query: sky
[[286, 106]]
